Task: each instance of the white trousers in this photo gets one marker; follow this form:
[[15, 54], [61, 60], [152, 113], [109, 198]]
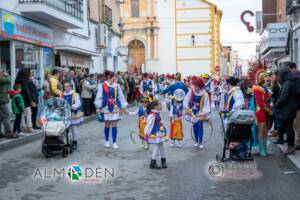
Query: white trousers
[[74, 132], [26, 118], [158, 147]]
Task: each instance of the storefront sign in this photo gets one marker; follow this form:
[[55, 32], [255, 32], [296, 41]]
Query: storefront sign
[[275, 35], [19, 28]]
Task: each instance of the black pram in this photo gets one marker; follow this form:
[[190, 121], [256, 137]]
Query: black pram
[[237, 134]]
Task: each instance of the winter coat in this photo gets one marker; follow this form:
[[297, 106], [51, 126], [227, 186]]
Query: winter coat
[[17, 102], [87, 89], [286, 104], [4, 83], [26, 93]]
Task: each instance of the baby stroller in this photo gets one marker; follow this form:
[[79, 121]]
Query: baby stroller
[[237, 135], [56, 119]]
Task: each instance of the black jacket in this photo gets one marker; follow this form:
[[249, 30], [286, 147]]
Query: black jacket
[[287, 102], [33, 92]]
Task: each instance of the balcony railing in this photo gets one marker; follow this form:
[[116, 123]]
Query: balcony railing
[[292, 6], [107, 18], [73, 8]]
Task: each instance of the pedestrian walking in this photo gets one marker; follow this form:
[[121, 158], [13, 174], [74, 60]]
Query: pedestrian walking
[[110, 100], [73, 100]]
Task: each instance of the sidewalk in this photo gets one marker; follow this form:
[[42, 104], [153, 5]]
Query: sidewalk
[[295, 159], [6, 144]]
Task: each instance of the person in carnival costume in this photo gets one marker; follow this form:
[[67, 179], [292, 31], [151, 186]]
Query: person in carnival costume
[[262, 111], [176, 113], [197, 106], [109, 101], [146, 85], [156, 134], [141, 111], [73, 100]]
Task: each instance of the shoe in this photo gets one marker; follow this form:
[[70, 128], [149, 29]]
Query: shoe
[[201, 146], [164, 163], [290, 151], [279, 142], [153, 165], [29, 130], [12, 136], [115, 146], [74, 145], [172, 144], [196, 144], [37, 128], [146, 146], [106, 144], [179, 143], [273, 133], [297, 147]]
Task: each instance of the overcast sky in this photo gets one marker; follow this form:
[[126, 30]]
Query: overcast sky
[[233, 31]]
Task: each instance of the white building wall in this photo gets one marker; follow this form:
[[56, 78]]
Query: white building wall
[[166, 38]]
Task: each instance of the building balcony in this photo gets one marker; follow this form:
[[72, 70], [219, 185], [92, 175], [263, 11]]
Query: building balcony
[[292, 6], [64, 13]]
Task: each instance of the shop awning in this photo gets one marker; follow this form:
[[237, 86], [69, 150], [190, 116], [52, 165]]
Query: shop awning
[[274, 53], [76, 50]]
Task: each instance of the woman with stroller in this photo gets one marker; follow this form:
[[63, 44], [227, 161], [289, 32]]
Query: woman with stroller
[[234, 98], [110, 100], [197, 106], [73, 100]]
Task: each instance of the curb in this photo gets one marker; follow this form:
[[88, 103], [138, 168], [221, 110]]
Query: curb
[[8, 144], [293, 159]]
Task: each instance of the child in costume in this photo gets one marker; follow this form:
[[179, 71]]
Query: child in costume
[[197, 106], [141, 111], [110, 100], [73, 100], [176, 113], [146, 86], [156, 134]]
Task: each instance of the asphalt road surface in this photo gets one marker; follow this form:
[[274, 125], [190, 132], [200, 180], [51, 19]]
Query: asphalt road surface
[[25, 174]]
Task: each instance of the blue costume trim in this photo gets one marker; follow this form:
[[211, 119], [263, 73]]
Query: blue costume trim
[[156, 127], [111, 95]]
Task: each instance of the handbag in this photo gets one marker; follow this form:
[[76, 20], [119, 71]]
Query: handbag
[[100, 117]]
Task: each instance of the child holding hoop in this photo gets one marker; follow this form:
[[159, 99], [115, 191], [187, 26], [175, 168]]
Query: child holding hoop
[[141, 111], [197, 106], [156, 134], [110, 100]]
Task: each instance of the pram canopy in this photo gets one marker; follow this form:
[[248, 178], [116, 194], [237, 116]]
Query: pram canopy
[[57, 109], [242, 117]]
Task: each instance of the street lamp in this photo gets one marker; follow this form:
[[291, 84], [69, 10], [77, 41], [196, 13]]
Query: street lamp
[[121, 25], [193, 38]]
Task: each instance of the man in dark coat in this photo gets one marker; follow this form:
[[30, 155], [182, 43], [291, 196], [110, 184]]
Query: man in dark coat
[[286, 106], [296, 73]]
